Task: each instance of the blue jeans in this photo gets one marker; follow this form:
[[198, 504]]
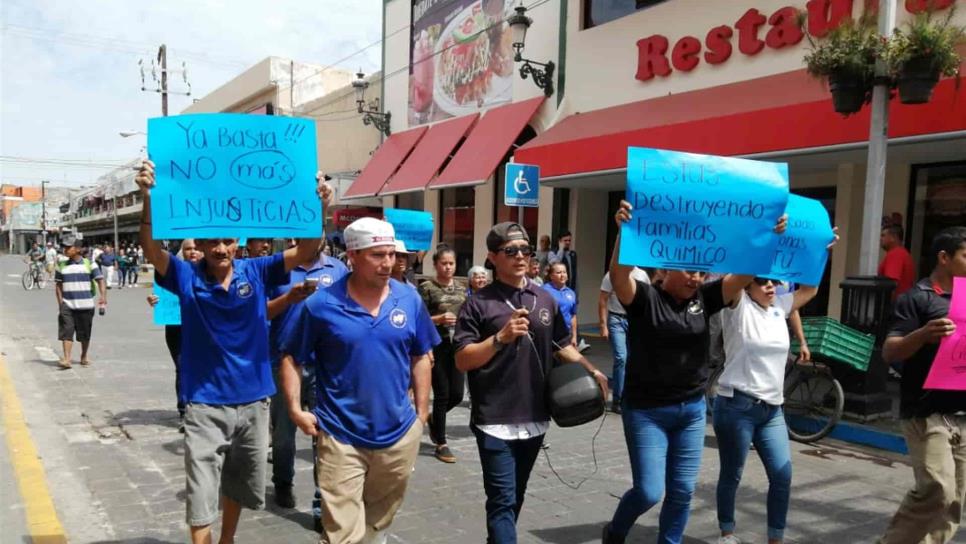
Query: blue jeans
[[664, 445], [617, 330], [283, 437], [506, 471], [740, 421]]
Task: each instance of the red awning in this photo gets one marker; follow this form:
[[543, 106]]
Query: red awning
[[487, 144], [433, 149], [775, 113], [384, 163]]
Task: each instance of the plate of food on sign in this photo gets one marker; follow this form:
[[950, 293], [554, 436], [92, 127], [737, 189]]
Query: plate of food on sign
[[474, 60]]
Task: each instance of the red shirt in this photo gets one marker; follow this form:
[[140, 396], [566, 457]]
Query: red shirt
[[898, 265]]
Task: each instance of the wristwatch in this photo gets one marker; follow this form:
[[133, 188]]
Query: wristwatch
[[497, 344]]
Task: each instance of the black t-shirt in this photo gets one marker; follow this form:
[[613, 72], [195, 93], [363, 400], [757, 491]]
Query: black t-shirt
[[511, 388], [913, 309], [668, 345]]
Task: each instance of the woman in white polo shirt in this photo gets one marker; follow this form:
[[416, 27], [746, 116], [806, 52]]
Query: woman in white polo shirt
[[748, 408]]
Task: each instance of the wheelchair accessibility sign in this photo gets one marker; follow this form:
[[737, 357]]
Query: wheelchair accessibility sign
[[522, 185]]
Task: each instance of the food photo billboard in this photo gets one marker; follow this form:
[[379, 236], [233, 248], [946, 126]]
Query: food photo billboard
[[460, 58]]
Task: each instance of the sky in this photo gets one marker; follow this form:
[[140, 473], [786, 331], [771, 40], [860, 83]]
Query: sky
[[70, 82]]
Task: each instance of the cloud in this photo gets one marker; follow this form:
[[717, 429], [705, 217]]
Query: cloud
[[69, 78]]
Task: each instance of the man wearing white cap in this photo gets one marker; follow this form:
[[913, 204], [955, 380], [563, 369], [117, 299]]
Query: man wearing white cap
[[369, 337]]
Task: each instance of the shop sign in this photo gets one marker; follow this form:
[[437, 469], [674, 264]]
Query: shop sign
[[754, 31]]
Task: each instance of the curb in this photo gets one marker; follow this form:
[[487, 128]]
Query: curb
[[865, 435]]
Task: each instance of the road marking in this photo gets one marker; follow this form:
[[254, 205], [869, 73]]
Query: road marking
[[42, 521], [13, 275]]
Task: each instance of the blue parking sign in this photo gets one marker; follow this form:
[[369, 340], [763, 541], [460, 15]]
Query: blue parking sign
[[522, 185]]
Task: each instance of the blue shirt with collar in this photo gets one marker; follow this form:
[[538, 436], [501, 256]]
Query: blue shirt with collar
[[363, 363], [566, 300], [224, 353], [327, 270]]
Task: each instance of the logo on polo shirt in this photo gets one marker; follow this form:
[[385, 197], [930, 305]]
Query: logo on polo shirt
[[325, 280], [569, 295], [244, 289], [696, 308], [544, 315], [397, 318]]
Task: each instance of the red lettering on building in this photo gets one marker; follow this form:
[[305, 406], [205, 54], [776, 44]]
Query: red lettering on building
[[718, 42], [824, 15], [685, 55], [748, 25], [919, 6], [652, 58], [784, 30]]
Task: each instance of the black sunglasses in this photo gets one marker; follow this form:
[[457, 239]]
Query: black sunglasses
[[765, 281], [512, 251]]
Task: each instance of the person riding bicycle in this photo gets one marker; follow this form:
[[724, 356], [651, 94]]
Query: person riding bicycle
[[35, 256]]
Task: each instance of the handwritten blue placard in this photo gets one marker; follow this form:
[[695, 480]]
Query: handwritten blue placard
[[413, 227], [802, 250], [168, 309], [702, 212], [234, 175], [522, 185]]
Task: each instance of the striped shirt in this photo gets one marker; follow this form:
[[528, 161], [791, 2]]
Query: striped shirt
[[75, 283]]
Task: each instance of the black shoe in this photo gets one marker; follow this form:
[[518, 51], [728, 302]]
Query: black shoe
[[284, 496], [607, 538], [318, 525], [444, 454], [616, 406]]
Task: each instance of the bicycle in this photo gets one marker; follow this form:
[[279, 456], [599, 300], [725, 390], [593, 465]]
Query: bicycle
[[34, 277], [814, 400]]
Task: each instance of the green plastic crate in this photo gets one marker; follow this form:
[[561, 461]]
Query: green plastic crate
[[829, 340]]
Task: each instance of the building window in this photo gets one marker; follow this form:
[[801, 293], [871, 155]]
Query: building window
[[598, 12], [410, 201], [456, 207], [938, 200]]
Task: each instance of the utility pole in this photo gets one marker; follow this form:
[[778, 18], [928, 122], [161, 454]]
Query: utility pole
[[878, 148], [43, 210], [163, 60]]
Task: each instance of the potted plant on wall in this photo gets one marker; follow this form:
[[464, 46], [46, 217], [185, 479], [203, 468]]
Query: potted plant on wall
[[921, 52], [847, 58]]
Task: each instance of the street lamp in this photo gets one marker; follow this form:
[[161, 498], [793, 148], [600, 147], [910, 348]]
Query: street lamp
[[372, 116], [519, 23]]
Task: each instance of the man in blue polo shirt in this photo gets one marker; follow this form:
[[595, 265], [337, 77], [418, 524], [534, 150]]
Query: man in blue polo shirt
[[226, 372], [369, 338], [320, 272]]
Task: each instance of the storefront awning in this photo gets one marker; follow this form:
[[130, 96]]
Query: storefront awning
[[384, 163], [487, 144], [430, 153], [777, 113]]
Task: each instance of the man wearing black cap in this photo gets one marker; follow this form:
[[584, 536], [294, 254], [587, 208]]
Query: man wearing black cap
[[74, 288], [505, 337]]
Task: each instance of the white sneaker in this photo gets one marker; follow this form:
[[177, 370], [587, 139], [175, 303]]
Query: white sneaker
[[729, 539], [582, 346]]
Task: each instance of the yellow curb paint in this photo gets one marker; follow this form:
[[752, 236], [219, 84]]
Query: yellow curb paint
[[42, 521]]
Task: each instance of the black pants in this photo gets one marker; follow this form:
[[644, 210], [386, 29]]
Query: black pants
[[447, 388], [172, 337]]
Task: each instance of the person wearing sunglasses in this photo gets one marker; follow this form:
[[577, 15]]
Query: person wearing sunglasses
[[667, 371], [748, 408], [506, 335]]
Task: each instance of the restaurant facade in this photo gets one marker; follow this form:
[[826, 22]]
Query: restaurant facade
[[722, 78]]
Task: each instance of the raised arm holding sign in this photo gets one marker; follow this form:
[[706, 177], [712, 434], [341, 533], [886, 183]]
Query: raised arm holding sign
[[803, 250]]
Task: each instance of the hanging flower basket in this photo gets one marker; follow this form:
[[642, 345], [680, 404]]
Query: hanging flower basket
[[921, 52], [849, 92], [846, 57]]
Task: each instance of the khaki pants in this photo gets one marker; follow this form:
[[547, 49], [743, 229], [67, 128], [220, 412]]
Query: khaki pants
[[362, 488], [930, 513]]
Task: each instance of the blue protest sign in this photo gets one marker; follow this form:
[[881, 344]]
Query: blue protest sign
[[522, 183], [802, 250], [413, 227], [168, 309], [701, 212], [234, 175]]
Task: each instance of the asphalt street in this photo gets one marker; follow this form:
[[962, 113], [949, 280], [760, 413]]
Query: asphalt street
[[107, 438]]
